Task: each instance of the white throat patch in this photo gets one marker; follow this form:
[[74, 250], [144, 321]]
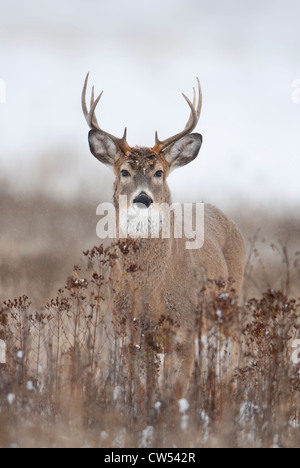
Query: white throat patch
[[140, 222]]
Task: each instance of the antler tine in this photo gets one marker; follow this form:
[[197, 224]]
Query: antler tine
[[83, 99], [194, 105], [199, 107], [95, 121], [92, 119], [191, 123]]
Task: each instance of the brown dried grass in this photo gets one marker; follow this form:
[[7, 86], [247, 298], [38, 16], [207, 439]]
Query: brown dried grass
[[74, 375]]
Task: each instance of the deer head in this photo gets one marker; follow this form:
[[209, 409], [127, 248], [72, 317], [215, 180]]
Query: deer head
[[141, 172]]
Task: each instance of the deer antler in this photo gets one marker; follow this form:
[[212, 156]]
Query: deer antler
[[191, 123], [92, 119]]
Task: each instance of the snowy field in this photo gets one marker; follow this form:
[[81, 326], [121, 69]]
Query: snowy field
[[64, 380]]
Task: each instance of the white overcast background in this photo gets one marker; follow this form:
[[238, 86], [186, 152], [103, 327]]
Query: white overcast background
[[144, 54]]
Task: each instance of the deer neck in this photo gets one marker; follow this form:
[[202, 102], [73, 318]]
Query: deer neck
[[146, 264], [146, 258]]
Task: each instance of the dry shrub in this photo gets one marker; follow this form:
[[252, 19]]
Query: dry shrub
[[81, 372]]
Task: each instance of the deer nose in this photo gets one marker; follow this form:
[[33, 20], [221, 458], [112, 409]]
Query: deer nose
[[143, 200]]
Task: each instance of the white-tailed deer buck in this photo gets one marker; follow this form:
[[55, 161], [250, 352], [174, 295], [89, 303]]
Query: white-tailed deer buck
[[167, 280]]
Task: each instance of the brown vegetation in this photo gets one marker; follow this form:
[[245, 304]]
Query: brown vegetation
[[79, 373]]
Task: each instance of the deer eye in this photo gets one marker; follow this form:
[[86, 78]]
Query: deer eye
[[158, 174], [125, 173]]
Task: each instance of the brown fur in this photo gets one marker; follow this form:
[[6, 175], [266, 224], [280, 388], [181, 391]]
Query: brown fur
[[163, 280], [167, 279]]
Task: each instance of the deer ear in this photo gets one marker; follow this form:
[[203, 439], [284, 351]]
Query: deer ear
[[103, 147], [184, 150]]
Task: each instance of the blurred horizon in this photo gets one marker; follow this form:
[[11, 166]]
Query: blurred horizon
[[144, 55]]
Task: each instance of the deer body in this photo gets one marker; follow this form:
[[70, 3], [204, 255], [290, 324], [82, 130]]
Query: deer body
[[168, 280]]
